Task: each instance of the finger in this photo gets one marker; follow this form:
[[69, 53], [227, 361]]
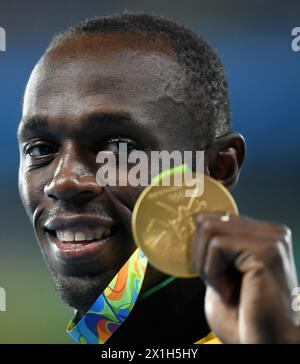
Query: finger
[[228, 258], [210, 224]]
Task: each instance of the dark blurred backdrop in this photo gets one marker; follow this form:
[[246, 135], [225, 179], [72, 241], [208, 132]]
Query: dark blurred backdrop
[[254, 40]]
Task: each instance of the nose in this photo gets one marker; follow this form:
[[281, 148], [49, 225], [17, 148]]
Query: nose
[[72, 181]]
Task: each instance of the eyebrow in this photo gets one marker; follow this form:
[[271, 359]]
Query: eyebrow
[[35, 123], [30, 124]]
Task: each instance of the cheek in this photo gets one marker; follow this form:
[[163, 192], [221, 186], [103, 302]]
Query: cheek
[[133, 194], [31, 187], [129, 193]]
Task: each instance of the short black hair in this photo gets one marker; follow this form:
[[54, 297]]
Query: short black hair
[[206, 88]]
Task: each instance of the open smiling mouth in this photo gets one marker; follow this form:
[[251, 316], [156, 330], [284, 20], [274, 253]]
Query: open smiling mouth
[[81, 241]]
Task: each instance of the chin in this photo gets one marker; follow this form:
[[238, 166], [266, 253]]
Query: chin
[[81, 292]]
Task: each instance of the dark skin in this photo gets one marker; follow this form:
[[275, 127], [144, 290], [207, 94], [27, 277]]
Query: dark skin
[[82, 98]]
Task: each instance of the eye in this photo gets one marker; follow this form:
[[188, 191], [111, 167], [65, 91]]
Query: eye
[[115, 145], [40, 150]]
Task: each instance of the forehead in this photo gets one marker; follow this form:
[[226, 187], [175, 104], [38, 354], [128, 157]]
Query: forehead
[[102, 70]]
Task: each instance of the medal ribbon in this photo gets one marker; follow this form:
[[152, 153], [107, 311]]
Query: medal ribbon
[[114, 305]]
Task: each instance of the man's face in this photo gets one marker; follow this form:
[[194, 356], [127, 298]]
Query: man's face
[[86, 97]]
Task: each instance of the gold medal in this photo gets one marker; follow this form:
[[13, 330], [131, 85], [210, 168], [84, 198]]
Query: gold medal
[[163, 222]]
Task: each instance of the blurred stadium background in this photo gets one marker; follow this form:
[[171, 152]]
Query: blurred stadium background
[[254, 41]]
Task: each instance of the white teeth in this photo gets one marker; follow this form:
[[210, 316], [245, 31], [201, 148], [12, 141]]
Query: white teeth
[[99, 232], [60, 235], [68, 236], [79, 236], [88, 234]]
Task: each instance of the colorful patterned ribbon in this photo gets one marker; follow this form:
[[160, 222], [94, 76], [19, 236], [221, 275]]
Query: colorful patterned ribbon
[[114, 305]]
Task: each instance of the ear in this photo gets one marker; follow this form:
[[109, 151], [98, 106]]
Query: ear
[[224, 158]]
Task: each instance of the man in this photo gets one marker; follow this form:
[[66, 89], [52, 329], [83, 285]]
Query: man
[[154, 85]]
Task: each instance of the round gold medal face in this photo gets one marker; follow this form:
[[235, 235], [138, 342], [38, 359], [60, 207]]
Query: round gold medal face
[[164, 222]]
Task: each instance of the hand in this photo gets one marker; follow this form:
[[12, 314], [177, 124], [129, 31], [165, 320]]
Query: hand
[[248, 268]]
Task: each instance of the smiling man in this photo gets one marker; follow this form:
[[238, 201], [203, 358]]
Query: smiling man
[[154, 85]]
